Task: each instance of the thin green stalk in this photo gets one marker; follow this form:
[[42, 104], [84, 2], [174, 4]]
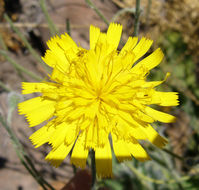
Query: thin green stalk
[[31, 173], [173, 154], [2, 85], [137, 15], [25, 41], [93, 169], [172, 172], [121, 12], [28, 168], [19, 67], [74, 169], [53, 29], [99, 13], [68, 30], [18, 148], [148, 12], [3, 43], [36, 172], [25, 160], [142, 176], [158, 161], [11, 134], [152, 180]]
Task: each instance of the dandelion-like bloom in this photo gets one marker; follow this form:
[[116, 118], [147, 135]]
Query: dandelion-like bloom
[[97, 94]]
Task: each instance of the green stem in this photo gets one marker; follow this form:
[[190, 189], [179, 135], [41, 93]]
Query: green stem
[[28, 168], [93, 169], [99, 13], [68, 26], [2, 85], [25, 41], [172, 172], [148, 12], [25, 160], [19, 67], [173, 154], [31, 173], [37, 173], [121, 12], [152, 180], [3, 43], [158, 161], [74, 169], [18, 148], [137, 15], [52, 27]]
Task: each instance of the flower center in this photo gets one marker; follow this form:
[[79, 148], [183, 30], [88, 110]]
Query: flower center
[[98, 93]]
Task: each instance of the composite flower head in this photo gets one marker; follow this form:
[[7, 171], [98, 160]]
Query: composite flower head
[[96, 95]]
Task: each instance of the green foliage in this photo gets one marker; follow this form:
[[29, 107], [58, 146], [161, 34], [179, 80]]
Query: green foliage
[[13, 99]]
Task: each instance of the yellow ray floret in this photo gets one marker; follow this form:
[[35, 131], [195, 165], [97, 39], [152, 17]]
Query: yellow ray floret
[[37, 110], [103, 159], [80, 152], [96, 95]]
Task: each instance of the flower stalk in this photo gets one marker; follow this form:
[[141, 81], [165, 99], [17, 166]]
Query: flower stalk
[[52, 27], [19, 67], [99, 13], [25, 41], [24, 158], [137, 15], [93, 169]]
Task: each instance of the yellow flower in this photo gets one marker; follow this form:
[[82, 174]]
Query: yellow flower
[[95, 95]]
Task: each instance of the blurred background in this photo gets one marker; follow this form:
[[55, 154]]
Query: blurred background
[[25, 26]]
